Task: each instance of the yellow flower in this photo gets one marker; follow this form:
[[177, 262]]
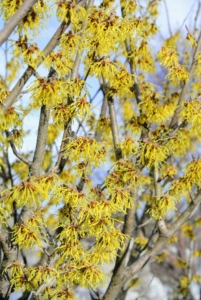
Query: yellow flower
[[61, 114], [53, 133], [39, 275], [153, 8], [141, 241], [193, 171], [10, 118], [16, 269], [70, 10], [95, 225], [47, 92], [27, 236], [161, 257], [153, 154], [19, 277], [155, 110], [70, 196], [70, 234], [122, 82], [162, 207], [184, 285], [197, 253], [191, 40], [47, 161], [172, 42], [197, 222], [168, 57], [125, 172], [3, 95], [128, 110], [32, 55], [17, 137], [9, 8], [122, 199], [129, 146], [128, 6], [180, 143], [80, 108], [191, 112], [177, 74], [85, 148], [103, 125], [102, 255], [134, 126], [113, 238], [21, 169], [188, 231], [58, 61], [173, 239], [74, 87], [65, 294], [104, 32], [32, 21], [70, 43], [103, 67], [196, 278], [71, 250], [184, 281], [29, 192], [88, 275], [181, 263]]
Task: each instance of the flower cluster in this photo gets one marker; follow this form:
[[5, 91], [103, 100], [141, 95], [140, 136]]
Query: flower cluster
[[85, 149], [163, 206], [169, 59]]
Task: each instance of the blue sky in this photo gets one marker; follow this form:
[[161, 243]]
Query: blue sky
[[178, 11]]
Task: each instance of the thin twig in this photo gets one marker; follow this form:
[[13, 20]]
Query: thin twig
[[174, 121], [143, 224], [161, 223], [168, 18], [15, 152], [146, 289], [197, 14]]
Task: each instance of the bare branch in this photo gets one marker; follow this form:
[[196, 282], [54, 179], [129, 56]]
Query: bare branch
[[114, 127], [76, 65], [128, 229], [161, 223], [68, 134], [41, 141], [14, 21]]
